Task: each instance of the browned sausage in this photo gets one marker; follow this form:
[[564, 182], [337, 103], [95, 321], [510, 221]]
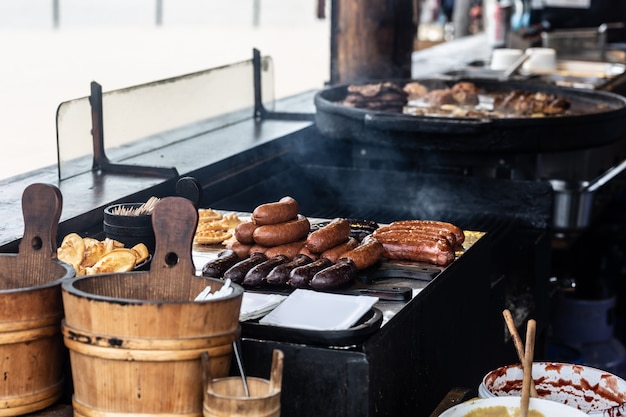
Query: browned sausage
[[338, 275], [280, 274], [243, 232], [411, 232], [258, 249], [307, 252], [422, 249], [279, 234], [288, 249], [369, 251], [239, 248], [334, 233], [280, 211], [336, 251], [458, 232]]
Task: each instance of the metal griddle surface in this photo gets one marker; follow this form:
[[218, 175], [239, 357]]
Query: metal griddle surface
[[386, 275]]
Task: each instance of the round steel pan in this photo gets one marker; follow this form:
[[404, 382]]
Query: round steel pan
[[598, 118]]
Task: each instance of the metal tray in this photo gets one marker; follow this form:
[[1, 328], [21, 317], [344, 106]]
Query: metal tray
[[365, 327]]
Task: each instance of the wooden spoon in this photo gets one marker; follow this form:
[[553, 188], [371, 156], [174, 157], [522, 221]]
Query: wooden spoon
[[519, 346], [528, 367]]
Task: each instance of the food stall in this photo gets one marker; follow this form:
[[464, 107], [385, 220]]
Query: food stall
[[219, 139]]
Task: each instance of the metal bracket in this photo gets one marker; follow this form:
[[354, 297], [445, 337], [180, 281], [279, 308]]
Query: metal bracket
[[100, 161], [260, 112]]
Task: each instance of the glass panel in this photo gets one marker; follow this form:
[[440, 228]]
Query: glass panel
[[149, 116]]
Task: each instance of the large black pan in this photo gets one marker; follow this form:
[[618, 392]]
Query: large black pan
[[597, 118]]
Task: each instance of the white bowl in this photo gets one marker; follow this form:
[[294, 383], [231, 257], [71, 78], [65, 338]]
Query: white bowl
[[503, 58], [540, 60], [511, 405], [591, 390]]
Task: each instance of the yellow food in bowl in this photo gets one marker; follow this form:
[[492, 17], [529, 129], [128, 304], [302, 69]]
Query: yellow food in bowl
[[499, 411]]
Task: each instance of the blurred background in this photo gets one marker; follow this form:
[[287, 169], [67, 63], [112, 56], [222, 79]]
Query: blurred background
[[51, 50]]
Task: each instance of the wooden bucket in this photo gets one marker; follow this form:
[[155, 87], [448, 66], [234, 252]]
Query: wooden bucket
[[136, 338], [225, 397], [31, 309]]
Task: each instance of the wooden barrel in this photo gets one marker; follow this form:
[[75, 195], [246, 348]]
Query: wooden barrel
[[31, 309], [226, 397], [136, 338]]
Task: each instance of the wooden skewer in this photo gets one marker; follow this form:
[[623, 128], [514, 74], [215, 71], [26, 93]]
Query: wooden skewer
[[528, 367], [519, 346], [145, 208]]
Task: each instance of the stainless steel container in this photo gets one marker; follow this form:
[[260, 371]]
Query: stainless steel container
[[573, 200]]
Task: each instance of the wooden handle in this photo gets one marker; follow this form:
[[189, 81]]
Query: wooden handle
[[276, 377], [174, 220], [190, 188], [528, 367], [41, 208], [519, 346]]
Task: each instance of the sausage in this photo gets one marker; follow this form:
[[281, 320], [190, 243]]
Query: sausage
[[255, 276], [243, 232], [422, 249], [237, 272], [215, 268], [458, 232], [288, 249], [239, 248], [336, 251], [417, 230], [408, 232], [369, 251], [281, 211], [335, 232], [307, 252], [337, 275], [258, 249], [280, 274], [279, 234], [302, 275]]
